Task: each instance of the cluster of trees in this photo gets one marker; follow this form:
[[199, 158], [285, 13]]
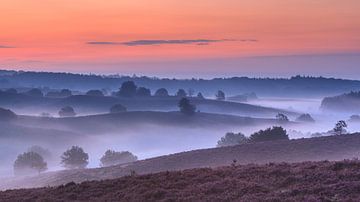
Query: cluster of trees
[[269, 134], [33, 161]]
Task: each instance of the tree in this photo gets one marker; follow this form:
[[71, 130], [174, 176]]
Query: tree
[[282, 118], [65, 93], [75, 158], [7, 115], [118, 108], [231, 139], [29, 163], [186, 107], [67, 112], [220, 95], [95, 93], [111, 158], [128, 89], [270, 134], [35, 92], [191, 92], [143, 92], [200, 96], [339, 128], [181, 93], [305, 118], [45, 153], [162, 92]]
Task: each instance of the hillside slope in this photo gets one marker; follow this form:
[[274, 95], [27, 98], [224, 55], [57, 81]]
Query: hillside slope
[[310, 181], [311, 149]]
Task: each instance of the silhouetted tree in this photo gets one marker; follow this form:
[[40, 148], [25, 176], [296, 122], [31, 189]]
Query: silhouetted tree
[[118, 108], [181, 93], [186, 107], [67, 112], [200, 96], [305, 118], [270, 134], [128, 89], [111, 158], [162, 92], [7, 115], [95, 93], [282, 118], [28, 163], [220, 95], [75, 158], [45, 153], [339, 128], [143, 92], [35, 92], [65, 93], [191, 92], [231, 139]]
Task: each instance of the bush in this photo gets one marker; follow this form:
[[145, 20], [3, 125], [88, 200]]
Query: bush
[[143, 92], [220, 95], [67, 112], [118, 108], [181, 93], [270, 134], [128, 89], [305, 118], [98, 93], [339, 128], [186, 107], [75, 158], [29, 163], [282, 118], [162, 92], [231, 139], [111, 158], [7, 115]]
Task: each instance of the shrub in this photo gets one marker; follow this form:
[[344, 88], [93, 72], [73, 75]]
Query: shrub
[[162, 92], [118, 108], [220, 95], [111, 158], [98, 93], [186, 107], [29, 163], [339, 128], [181, 93], [67, 112], [231, 139], [270, 134], [75, 158], [282, 118], [143, 92], [305, 118]]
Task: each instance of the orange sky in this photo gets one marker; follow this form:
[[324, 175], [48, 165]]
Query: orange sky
[[51, 33]]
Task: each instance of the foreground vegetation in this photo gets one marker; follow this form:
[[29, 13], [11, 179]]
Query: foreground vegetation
[[309, 181]]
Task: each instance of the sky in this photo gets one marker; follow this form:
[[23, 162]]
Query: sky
[[177, 38]]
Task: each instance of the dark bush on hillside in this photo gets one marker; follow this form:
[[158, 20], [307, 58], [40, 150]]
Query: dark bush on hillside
[[67, 112], [111, 158], [128, 89], [186, 107], [270, 134], [305, 118], [118, 108], [45, 153], [35, 92], [29, 163], [181, 93], [143, 92], [75, 158], [339, 128], [231, 139], [98, 93], [282, 118], [162, 92], [7, 115], [220, 95]]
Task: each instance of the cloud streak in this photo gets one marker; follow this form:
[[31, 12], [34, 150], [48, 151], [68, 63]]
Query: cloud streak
[[201, 42], [3, 46]]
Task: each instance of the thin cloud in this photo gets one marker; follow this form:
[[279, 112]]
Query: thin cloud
[[201, 42], [3, 46]]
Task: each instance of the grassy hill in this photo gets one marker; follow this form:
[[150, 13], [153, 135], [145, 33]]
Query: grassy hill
[[311, 149], [310, 181]]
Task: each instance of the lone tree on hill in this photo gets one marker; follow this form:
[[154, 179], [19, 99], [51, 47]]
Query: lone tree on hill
[[181, 93], [220, 95], [270, 134], [186, 107], [231, 139], [339, 128], [162, 92], [67, 112], [117, 108], [75, 158], [29, 163], [128, 89], [111, 158]]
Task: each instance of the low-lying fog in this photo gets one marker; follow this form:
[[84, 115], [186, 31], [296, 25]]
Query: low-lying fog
[[155, 140]]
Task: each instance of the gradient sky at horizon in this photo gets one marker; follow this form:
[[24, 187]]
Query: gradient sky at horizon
[[176, 38]]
